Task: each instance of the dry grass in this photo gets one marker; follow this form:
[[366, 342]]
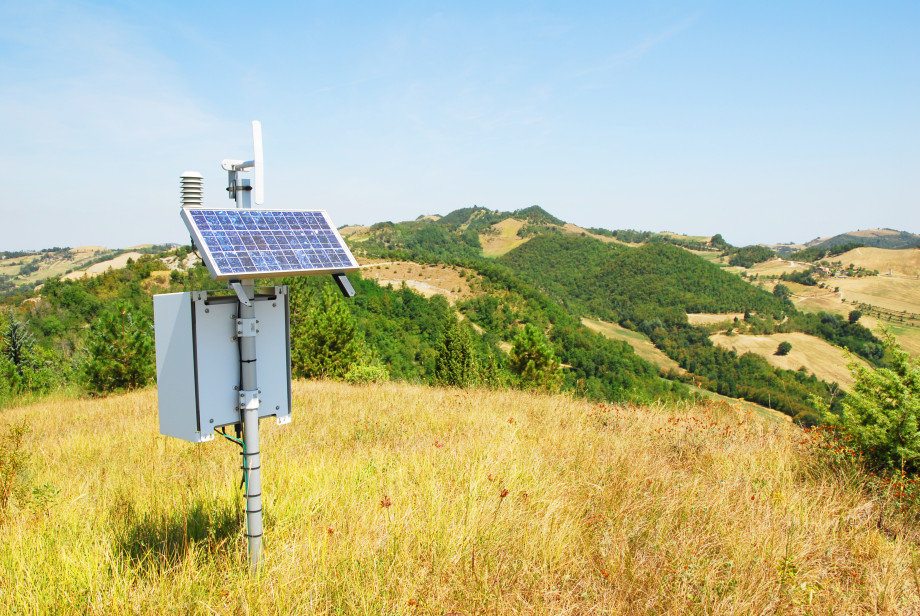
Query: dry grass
[[776, 267], [425, 279], [908, 336], [503, 238], [639, 342], [904, 262], [895, 294], [824, 360], [97, 269], [713, 318], [53, 267], [826, 302], [606, 509]]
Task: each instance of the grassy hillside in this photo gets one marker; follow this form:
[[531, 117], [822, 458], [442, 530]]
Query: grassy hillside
[[898, 262], [824, 360], [400, 499], [638, 341]]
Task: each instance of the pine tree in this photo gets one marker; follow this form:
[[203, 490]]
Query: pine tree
[[120, 348], [325, 341], [882, 413], [18, 344], [533, 359], [455, 363]]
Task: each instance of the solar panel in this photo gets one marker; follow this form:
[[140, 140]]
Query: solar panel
[[244, 243]]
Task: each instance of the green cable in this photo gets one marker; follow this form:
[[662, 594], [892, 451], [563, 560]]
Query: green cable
[[245, 468]]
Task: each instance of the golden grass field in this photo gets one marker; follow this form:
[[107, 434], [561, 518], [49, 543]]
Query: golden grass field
[[905, 262], [503, 239], [425, 279], [896, 294], [96, 269], [638, 341], [824, 360], [775, 267], [884, 292], [713, 318], [499, 502]]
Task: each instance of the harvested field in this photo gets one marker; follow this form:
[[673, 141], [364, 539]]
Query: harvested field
[[820, 358], [895, 294], [777, 267], [710, 319], [902, 263]]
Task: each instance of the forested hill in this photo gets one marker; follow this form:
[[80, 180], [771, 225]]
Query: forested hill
[[619, 282], [875, 238], [525, 308]]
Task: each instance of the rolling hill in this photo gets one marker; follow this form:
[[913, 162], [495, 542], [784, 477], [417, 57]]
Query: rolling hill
[[502, 271], [875, 238]]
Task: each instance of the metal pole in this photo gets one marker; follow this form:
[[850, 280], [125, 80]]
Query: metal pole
[[249, 402], [249, 411]]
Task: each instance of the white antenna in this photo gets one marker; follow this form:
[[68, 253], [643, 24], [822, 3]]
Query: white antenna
[[258, 173]]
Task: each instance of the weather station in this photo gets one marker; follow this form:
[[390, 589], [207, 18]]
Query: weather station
[[223, 358]]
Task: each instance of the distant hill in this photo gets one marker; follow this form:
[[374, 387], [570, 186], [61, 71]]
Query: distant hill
[[502, 270], [874, 238], [23, 270]]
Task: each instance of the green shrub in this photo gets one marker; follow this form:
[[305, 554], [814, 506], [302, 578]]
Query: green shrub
[[881, 416], [13, 466], [363, 374]]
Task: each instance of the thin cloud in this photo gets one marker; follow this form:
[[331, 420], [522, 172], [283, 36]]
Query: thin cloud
[[635, 53]]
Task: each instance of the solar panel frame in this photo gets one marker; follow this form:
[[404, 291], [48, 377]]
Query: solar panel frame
[[241, 244]]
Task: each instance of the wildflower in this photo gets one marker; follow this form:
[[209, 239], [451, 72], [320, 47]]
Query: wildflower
[[331, 530], [385, 501], [511, 420], [438, 444], [503, 493]]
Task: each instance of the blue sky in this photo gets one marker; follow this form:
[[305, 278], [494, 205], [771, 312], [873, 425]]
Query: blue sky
[[762, 121]]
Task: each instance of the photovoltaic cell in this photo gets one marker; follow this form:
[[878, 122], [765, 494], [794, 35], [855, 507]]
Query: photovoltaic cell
[[245, 243]]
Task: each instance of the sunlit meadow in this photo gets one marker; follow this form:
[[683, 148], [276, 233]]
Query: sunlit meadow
[[402, 499]]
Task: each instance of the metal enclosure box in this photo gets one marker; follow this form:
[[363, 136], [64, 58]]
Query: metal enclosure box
[[198, 361]]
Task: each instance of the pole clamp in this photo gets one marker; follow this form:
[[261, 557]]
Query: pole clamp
[[246, 327], [249, 399]]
